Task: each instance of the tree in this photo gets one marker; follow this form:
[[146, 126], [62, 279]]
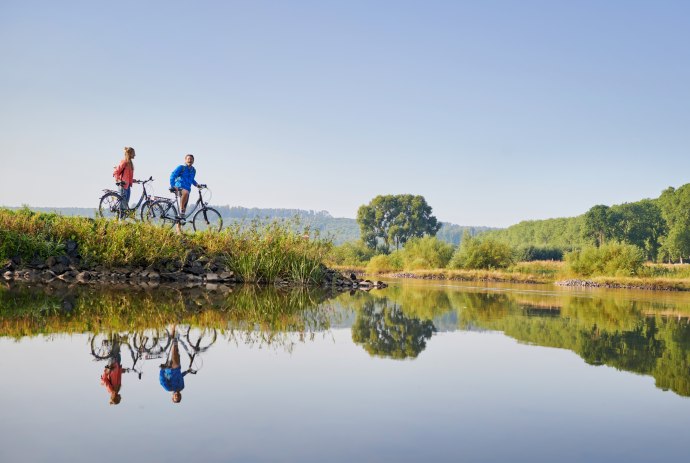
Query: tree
[[394, 219], [599, 224], [675, 208]]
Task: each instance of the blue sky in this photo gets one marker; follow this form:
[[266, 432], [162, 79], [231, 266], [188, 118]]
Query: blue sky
[[494, 111]]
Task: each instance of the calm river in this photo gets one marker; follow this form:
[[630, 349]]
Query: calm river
[[415, 372]]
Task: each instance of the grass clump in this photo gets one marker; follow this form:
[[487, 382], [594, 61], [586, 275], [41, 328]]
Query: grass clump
[[258, 253]]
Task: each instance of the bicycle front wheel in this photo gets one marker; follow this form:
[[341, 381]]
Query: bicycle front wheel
[[207, 219], [109, 207], [161, 213]]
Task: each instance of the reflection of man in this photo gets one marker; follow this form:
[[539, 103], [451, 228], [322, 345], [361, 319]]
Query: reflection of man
[[112, 373], [171, 376]]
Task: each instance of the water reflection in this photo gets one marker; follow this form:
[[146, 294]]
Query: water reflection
[[383, 329], [648, 335]]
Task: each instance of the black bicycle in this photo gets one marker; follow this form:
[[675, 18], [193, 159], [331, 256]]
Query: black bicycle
[[110, 203], [164, 212]]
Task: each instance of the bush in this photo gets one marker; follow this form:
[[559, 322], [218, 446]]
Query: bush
[[612, 259], [354, 253], [532, 253], [426, 253], [383, 263], [487, 253]]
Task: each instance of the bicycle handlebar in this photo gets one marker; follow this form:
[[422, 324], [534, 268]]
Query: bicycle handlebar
[[150, 179]]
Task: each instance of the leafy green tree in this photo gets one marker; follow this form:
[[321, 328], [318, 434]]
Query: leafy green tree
[[394, 219], [599, 224], [640, 223], [675, 208]]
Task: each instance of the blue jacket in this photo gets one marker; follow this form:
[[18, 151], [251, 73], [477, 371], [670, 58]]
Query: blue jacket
[[183, 177], [172, 379]]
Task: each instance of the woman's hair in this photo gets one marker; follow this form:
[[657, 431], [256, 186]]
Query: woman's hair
[[129, 154]]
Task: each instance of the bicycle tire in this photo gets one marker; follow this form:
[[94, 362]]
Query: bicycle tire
[[202, 333], [207, 219], [101, 345], [109, 205], [160, 212]]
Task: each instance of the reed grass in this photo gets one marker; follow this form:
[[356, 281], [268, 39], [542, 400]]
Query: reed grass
[[260, 252]]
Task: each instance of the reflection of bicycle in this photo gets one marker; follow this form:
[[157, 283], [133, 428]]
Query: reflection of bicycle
[[164, 212], [110, 205], [139, 345], [195, 344]]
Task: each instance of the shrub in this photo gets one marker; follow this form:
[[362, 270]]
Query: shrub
[[613, 259], [426, 253], [354, 253], [383, 263], [487, 253], [532, 253]]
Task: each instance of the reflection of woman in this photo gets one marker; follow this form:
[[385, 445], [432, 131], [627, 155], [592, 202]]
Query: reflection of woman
[[171, 376], [112, 373]]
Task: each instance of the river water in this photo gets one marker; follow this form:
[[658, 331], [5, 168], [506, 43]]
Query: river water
[[415, 372]]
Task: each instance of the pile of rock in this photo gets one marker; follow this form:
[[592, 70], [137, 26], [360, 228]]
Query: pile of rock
[[72, 269], [335, 279]]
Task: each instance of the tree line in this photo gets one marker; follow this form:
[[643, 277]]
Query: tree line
[[660, 227]]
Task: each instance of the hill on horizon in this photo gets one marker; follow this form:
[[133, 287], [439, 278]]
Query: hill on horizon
[[339, 229]]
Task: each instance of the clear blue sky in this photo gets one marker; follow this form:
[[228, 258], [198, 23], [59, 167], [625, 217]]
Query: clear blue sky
[[495, 111]]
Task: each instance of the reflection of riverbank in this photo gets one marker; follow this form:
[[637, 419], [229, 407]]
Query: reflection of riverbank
[[644, 335], [642, 332], [547, 277]]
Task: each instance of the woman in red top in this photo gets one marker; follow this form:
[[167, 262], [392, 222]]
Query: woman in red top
[[124, 174]]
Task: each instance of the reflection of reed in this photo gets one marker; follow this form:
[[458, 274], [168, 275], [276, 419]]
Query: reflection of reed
[[28, 311]]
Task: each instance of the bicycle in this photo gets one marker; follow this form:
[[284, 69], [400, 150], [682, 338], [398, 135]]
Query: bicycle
[[163, 211], [110, 203]]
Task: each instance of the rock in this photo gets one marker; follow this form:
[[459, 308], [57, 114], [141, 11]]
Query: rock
[[68, 275], [37, 263], [71, 248], [59, 268], [83, 276], [211, 286], [227, 276], [47, 275], [212, 277]]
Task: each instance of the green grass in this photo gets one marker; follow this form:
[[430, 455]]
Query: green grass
[[258, 253]]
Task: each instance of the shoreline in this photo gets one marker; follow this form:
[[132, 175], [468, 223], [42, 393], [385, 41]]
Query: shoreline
[[631, 283]]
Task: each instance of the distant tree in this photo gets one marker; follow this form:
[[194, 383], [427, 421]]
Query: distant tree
[[675, 208], [599, 224], [640, 223], [394, 219]]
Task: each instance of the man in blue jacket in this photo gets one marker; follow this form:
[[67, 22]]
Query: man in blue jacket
[[182, 178]]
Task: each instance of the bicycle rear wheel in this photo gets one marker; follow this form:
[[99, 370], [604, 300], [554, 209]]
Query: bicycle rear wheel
[[207, 219], [161, 213], [109, 207]]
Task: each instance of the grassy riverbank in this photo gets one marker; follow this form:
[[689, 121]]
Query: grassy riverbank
[[258, 253], [663, 277]]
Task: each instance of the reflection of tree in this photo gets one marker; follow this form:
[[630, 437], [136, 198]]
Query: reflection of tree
[[636, 350], [387, 332]]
